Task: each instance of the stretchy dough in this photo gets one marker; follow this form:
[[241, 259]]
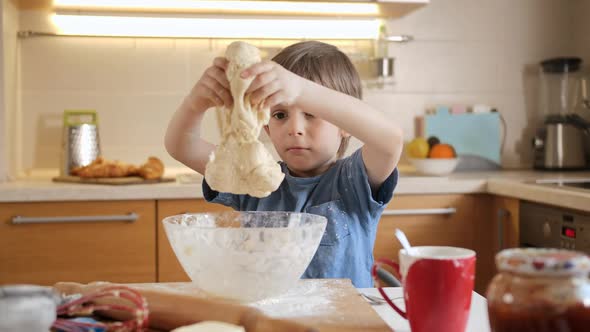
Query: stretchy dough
[[241, 164], [210, 326]]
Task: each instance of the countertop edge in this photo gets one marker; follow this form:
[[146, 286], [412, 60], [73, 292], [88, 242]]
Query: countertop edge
[[572, 199], [515, 184]]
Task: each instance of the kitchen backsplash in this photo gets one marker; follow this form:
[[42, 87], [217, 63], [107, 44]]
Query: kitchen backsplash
[[581, 10], [465, 51]]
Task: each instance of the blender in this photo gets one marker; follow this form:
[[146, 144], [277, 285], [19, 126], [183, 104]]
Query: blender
[[562, 141]]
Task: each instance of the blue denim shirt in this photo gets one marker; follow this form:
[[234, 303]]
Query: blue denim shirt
[[343, 195]]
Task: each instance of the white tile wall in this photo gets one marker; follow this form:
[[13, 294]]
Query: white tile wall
[[3, 112], [479, 51], [581, 9], [8, 94], [466, 51], [134, 84]]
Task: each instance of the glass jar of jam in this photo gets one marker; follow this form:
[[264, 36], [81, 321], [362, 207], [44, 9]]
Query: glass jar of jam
[[539, 290]]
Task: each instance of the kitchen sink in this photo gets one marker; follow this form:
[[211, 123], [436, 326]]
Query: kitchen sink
[[581, 183]]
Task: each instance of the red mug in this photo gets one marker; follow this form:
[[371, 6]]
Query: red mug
[[437, 285]]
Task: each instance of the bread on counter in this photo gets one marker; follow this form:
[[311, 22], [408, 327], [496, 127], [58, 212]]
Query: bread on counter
[[153, 168]]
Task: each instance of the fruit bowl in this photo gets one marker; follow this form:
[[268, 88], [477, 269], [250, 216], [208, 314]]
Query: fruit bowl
[[244, 256], [435, 166]]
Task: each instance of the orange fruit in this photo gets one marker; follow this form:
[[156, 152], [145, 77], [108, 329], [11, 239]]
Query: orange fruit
[[442, 151]]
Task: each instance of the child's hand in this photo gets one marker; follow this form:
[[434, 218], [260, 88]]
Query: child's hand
[[273, 84], [212, 89]]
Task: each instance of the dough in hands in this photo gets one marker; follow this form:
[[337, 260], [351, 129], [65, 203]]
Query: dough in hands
[[241, 164]]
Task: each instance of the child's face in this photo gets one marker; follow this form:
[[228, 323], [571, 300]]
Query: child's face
[[307, 144]]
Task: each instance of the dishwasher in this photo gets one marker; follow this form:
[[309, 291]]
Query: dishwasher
[[546, 226]]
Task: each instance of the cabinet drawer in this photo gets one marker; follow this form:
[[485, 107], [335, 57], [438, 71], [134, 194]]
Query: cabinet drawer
[[444, 220], [43, 243], [169, 268]]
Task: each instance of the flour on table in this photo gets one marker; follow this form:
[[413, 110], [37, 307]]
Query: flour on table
[[241, 164], [306, 299]]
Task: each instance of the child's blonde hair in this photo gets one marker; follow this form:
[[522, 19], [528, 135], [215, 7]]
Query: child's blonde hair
[[324, 64]]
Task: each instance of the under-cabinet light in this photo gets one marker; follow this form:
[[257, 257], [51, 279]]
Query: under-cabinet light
[[179, 27], [245, 7]]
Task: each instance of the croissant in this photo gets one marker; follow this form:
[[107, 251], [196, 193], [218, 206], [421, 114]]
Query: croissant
[[152, 169], [102, 168]]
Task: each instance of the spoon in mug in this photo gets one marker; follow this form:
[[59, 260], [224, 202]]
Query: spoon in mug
[[401, 237], [386, 277]]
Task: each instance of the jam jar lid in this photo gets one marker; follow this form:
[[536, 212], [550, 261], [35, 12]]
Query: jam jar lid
[[543, 262]]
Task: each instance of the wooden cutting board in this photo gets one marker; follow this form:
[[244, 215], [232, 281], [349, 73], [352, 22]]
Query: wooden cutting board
[[111, 181], [329, 305]]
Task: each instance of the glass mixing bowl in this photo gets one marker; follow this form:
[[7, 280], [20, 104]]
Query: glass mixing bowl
[[245, 256]]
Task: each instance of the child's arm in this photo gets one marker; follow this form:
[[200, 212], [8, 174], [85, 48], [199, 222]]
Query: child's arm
[[183, 137], [382, 137]]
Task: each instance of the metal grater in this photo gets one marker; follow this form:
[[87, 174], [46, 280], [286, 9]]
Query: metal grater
[[81, 142]]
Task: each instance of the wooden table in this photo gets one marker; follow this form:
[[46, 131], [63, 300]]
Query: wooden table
[[327, 304]]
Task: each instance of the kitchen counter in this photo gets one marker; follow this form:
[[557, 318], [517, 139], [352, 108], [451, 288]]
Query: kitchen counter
[[515, 184], [478, 314]]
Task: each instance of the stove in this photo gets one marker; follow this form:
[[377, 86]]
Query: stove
[[583, 185], [554, 227], [546, 226]]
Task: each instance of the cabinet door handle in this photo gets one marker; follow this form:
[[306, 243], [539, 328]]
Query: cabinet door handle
[[417, 212], [500, 219], [130, 217]]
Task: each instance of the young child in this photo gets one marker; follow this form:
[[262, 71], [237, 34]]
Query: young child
[[314, 93]]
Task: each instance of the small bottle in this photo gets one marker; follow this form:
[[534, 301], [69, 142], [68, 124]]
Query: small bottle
[[540, 290]]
